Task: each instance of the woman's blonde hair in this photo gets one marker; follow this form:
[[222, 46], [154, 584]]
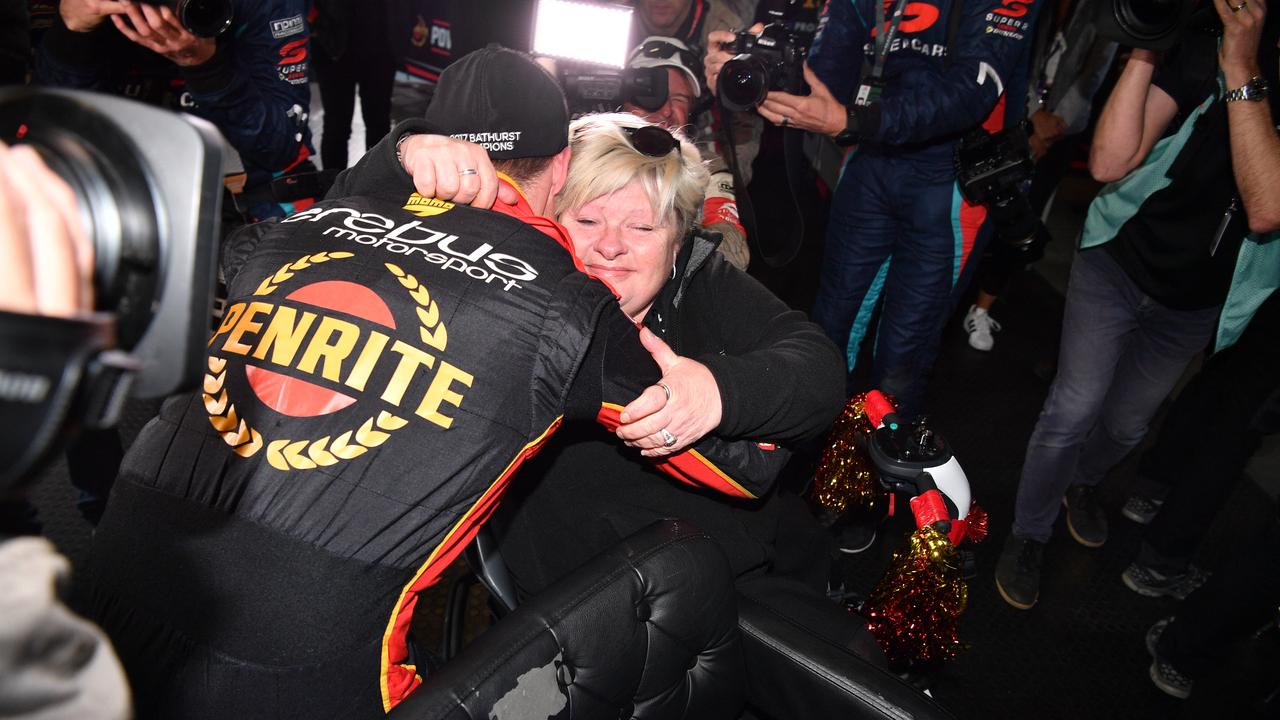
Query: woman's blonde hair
[[604, 162]]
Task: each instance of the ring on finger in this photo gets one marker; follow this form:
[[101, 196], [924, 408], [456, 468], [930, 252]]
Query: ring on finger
[[468, 171], [667, 438], [1238, 8], [666, 389]]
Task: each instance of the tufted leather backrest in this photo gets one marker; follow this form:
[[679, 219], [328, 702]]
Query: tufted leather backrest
[[794, 673], [646, 630]]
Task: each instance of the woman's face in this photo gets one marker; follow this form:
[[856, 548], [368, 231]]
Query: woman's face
[[619, 241]]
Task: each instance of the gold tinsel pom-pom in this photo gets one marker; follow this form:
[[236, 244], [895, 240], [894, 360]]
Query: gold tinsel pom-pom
[[914, 610], [846, 479]]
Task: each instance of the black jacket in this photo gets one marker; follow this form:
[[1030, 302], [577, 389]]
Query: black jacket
[[781, 381]]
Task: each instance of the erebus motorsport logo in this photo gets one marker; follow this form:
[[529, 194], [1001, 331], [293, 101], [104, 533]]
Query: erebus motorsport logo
[[303, 360], [476, 260]]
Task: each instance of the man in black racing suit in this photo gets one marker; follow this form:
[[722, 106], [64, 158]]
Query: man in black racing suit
[[385, 364], [250, 81]]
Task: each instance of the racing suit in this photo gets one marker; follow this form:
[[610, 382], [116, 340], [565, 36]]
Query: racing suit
[[899, 226], [385, 363], [254, 89]]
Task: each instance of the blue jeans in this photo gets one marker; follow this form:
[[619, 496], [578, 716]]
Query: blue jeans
[[898, 227], [1121, 354]]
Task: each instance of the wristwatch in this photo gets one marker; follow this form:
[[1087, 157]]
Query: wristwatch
[[1254, 91], [849, 135]]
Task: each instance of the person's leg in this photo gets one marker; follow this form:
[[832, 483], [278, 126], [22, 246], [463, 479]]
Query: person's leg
[[1213, 439], [1097, 326], [1165, 343], [927, 261], [376, 79], [1235, 601], [338, 97], [860, 240]]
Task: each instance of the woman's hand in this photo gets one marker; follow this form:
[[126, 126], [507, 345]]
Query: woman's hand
[[46, 257], [454, 170], [692, 410], [156, 28]]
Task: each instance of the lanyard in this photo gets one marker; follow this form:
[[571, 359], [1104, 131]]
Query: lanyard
[[885, 37]]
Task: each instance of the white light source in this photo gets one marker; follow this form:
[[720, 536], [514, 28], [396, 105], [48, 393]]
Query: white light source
[[582, 31]]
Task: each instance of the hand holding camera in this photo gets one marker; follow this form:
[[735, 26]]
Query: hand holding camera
[[180, 30]]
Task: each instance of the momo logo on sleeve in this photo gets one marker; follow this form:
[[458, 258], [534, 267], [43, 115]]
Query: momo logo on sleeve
[[305, 357]]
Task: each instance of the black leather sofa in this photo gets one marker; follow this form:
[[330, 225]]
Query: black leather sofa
[[647, 630]]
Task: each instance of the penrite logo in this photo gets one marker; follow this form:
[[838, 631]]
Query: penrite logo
[[296, 354]]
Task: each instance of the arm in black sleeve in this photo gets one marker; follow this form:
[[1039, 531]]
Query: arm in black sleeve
[[780, 378], [379, 170], [238, 246], [618, 368], [254, 89]]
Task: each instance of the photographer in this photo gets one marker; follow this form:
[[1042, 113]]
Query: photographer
[[720, 207], [1183, 241], [52, 664], [250, 80], [905, 96]]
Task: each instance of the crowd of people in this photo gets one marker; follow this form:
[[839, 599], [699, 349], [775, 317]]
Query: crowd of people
[[505, 317]]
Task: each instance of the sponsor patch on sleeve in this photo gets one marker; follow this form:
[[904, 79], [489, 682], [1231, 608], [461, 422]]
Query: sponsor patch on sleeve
[[285, 27]]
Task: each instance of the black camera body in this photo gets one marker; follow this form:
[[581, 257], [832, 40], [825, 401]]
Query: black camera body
[[991, 170], [1155, 24], [148, 188], [203, 18], [595, 88], [774, 60]]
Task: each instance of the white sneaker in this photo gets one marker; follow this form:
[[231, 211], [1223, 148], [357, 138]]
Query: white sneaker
[[980, 325]]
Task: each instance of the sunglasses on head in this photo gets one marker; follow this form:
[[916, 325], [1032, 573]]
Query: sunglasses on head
[[651, 140], [660, 49]]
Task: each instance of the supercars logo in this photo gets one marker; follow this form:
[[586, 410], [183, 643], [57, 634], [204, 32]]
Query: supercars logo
[[916, 17], [1013, 8], [305, 336]]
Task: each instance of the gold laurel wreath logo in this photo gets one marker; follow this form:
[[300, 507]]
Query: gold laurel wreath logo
[[434, 334], [287, 454], [286, 271]]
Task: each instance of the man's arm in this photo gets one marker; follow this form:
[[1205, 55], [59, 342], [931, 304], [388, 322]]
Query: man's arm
[[1255, 145], [1133, 119]]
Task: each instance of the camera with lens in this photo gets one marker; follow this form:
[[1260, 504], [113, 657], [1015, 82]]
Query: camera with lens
[[774, 60], [1155, 24], [203, 18], [148, 189], [991, 169], [595, 88]]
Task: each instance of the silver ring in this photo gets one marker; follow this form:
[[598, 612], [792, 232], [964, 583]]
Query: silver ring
[[469, 171], [666, 390], [667, 438], [1238, 8]]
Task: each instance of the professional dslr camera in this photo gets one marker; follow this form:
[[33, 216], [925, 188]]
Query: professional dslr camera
[[148, 186], [991, 169], [594, 88], [203, 18], [772, 61]]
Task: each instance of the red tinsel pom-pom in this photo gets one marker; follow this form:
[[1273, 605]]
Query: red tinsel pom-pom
[[914, 610], [978, 524], [846, 479]]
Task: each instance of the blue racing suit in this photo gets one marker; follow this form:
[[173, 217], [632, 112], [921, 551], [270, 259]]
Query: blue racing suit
[[254, 89], [899, 226]]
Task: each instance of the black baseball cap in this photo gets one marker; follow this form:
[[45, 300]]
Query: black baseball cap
[[503, 100]]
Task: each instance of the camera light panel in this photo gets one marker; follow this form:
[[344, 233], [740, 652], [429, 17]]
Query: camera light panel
[[588, 32]]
